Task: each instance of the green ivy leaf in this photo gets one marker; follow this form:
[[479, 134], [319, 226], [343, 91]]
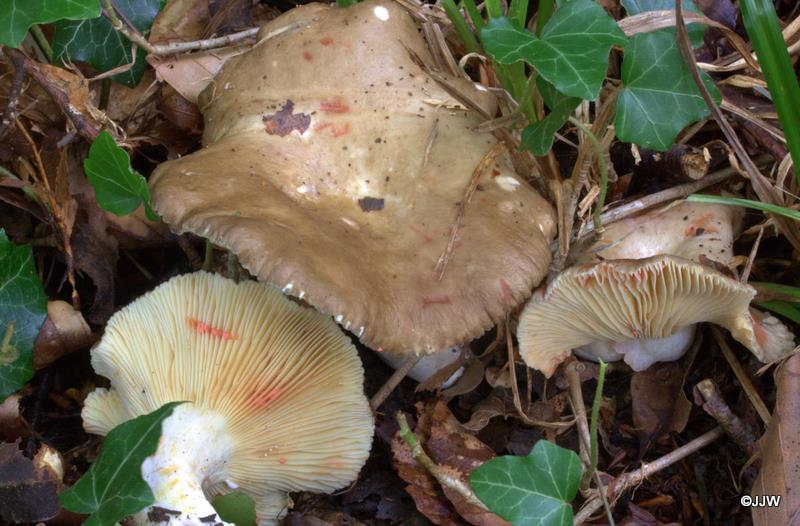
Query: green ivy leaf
[[659, 97], [572, 52], [538, 137], [95, 41], [17, 16], [117, 187], [696, 31], [113, 487], [236, 508], [22, 301], [531, 491]]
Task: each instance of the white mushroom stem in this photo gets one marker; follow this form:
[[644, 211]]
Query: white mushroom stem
[[428, 365], [193, 451], [641, 354]]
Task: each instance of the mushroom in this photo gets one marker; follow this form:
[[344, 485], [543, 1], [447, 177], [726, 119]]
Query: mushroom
[[638, 295], [334, 166], [274, 390]]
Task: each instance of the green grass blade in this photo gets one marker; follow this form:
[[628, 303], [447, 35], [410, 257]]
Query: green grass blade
[[735, 201], [778, 288], [494, 8], [346, 3], [474, 15], [785, 309], [761, 23], [460, 25], [546, 9], [518, 12]]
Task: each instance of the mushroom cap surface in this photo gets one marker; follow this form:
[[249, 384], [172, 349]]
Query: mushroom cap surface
[[287, 382], [694, 231], [641, 299], [334, 170]]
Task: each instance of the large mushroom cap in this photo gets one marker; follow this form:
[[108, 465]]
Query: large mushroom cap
[[281, 382], [644, 299], [334, 171]]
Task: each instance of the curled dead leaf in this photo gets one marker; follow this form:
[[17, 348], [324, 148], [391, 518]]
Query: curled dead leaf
[[64, 331], [29, 487]]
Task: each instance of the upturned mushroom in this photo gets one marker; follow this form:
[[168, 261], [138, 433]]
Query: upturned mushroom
[[274, 391], [334, 167], [640, 293]]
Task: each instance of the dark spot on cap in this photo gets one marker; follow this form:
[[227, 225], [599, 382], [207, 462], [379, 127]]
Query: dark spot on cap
[[371, 204], [283, 121]]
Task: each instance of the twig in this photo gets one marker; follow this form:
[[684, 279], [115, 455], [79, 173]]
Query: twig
[[88, 129], [670, 194], [598, 399], [12, 100], [175, 47], [442, 476], [393, 381], [634, 478], [765, 191], [57, 213], [484, 164], [742, 376], [601, 161], [573, 373], [714, 405], [512, 372]]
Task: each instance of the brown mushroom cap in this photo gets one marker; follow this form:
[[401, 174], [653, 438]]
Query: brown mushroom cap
[[640, 299], [285, 380], [334, 171]]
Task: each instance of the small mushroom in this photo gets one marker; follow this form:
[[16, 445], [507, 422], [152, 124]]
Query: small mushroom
[[642, 310], [334, 167], [274, 390]]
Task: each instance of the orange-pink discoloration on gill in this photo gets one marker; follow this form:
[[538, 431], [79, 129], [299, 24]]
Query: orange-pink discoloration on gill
[[282, 460], [204, 328], [508, 294], [261, 398], [425, 237], [335, 131], [335, 105], [427, 301], [761, 335], [699, 225]]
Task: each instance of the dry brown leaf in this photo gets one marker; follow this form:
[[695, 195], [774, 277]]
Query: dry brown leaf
[[190, 74], [658, 404], [29, 488], [180, 20], [780, 452], [12, 424], [455, 451], [63, 332]]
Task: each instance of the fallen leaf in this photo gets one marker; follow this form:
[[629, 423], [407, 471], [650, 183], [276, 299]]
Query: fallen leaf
[[780, 451], [190, 74], [658, 404], [498, 403], [453, 450], [29, 488], [64, 331], [180, 20]]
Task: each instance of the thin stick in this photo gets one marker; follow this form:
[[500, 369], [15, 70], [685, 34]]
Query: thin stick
[[175, 47], [442, 476], [87, 128], [393, 381], [484, 164], [742, 376], [634, 478], [573, 373], [601, 161], [715, 405], [512, 372]]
